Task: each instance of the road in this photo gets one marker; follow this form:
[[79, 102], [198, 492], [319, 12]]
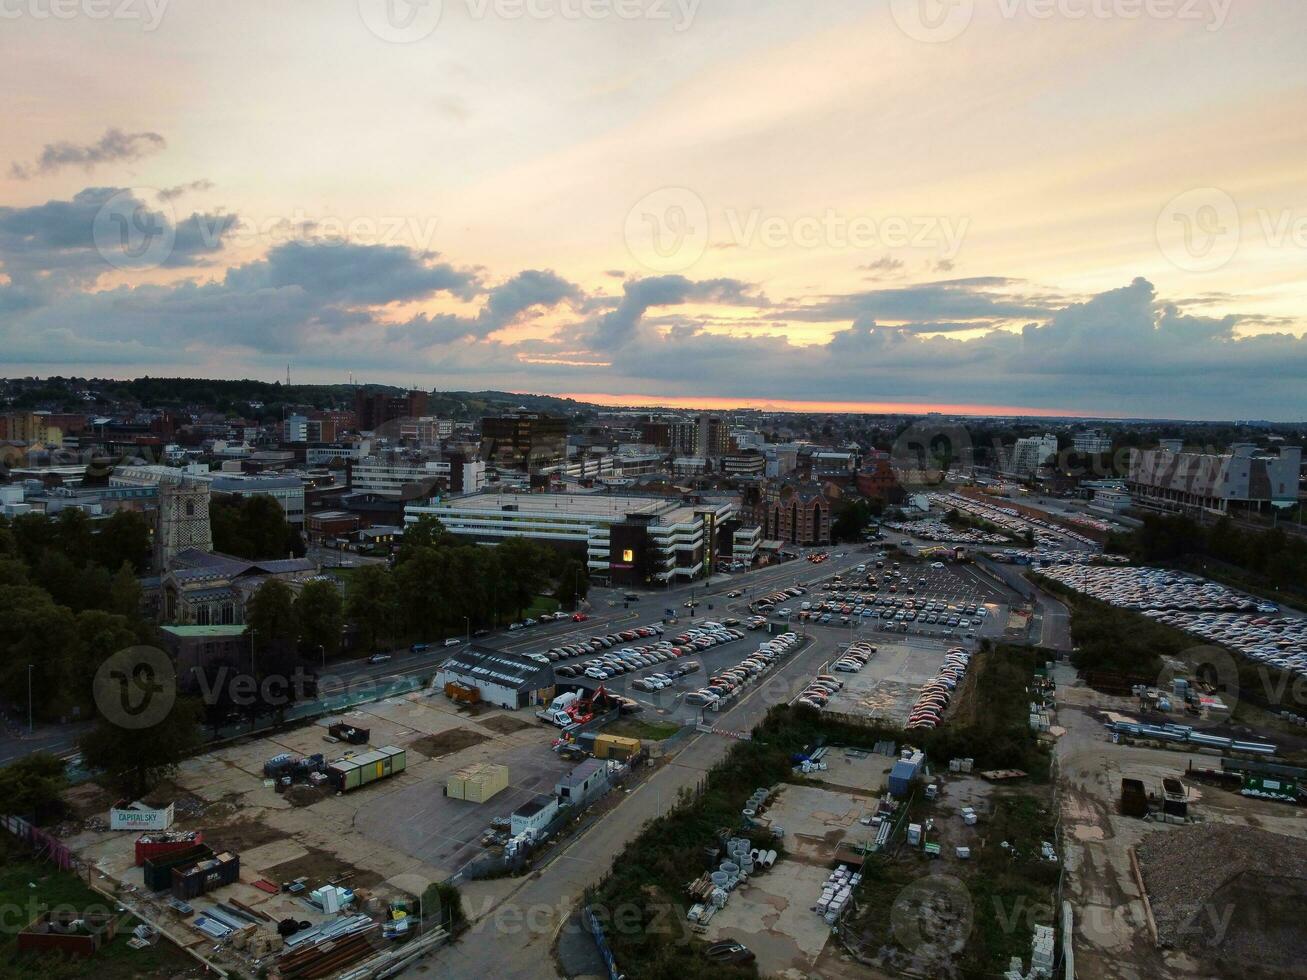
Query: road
[[514, 932]]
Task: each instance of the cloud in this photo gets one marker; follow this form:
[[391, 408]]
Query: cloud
[[113, 146], [980, 299], [984, 340], [504, 305], [172, 193], [641, 295], [886, 267], [59, 244]]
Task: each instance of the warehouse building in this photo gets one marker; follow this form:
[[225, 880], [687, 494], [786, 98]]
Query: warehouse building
[[502, 679]]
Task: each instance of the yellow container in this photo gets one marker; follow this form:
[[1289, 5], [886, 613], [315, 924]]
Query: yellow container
[[616, 747]]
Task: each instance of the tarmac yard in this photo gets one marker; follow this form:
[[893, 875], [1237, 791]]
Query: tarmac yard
[[887, 688], [390, 838]]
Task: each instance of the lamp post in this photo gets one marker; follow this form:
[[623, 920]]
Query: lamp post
[[467, 621], [29, 699]]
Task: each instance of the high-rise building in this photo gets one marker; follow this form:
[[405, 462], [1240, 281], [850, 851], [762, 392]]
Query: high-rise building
[[1029, 454], [523, 440], [375, 409]]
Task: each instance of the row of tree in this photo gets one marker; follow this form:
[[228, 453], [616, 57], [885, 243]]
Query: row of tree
[[66, 610], [1273, 557]]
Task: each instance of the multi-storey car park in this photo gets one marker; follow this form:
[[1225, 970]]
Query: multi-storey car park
[[626, 539]]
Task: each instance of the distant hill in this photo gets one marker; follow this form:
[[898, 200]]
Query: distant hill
[[235, 397]]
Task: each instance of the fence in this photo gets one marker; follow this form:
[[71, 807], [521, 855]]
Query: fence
[[601, 941], [46, 846]]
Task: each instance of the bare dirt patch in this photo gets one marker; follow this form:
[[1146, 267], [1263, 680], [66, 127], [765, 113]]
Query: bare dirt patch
[[245, 835], [447, 743], [320, 866]]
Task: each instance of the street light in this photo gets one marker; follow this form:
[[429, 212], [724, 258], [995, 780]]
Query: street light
[[467, 620], [29, 699]]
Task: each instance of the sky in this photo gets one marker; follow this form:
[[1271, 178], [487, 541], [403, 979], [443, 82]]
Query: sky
[[1084, 207]]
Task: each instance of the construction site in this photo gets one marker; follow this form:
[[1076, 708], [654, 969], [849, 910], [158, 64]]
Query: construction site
[[309, 850]]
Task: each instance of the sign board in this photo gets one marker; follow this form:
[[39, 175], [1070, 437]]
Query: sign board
[[140, 817]]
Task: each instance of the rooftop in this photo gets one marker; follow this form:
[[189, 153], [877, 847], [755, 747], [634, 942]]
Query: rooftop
[[595, 506]]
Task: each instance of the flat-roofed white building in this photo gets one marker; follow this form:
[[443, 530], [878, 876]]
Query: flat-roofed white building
[[625, 538]]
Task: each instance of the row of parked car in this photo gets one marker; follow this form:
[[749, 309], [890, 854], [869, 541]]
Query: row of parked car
[[727, 684], [617, 662], [1145, 588], [772, 599], [937, 692], [1011, 519], [1276, 641], [855, 657], [596, 644]]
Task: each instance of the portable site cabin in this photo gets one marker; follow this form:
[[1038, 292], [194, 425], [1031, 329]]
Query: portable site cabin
[[350, 774]]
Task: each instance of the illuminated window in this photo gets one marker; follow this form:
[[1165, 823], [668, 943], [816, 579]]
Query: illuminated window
[[628, 555]]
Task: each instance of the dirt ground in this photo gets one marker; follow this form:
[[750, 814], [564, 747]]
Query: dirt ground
[[389, 839], [445, 743], [1112, 936]]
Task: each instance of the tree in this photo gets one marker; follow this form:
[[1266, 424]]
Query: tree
[[524, 567], [33, 787], [136, 760], [124, 537], [125, 593], [36, 631], [426, 532], [270, 615], [254, 528], [370, 604], [573, 584], [320, 613], [851, 520]]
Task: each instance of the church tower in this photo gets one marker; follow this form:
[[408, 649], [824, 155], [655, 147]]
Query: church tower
[[183, 521]]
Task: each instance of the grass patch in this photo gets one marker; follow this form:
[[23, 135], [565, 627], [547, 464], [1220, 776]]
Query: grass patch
[[542, 604], [21, 902], [650, 731]]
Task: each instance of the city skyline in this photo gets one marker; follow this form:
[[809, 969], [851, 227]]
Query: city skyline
[[1019, 214]]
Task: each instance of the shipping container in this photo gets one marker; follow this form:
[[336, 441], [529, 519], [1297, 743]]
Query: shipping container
[[150, 846], [157, 872], [192, 881]]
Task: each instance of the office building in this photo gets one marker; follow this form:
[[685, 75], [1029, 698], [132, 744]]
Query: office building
[[374, 410], [526, 441], [1029, 454], [1091, 443]]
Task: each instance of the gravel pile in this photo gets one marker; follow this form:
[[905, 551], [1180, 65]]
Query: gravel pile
[[1228, 891]]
